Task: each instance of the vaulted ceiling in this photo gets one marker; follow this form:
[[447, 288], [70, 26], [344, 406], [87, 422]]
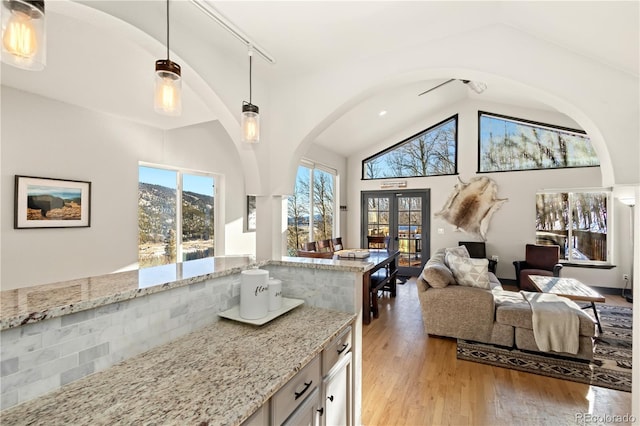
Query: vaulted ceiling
[[106, 64]]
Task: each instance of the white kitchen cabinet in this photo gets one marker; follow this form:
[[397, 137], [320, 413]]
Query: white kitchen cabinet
[[337, 395], [308, 413], [259, 418], [296, 392], [320, 394], [337, 381]]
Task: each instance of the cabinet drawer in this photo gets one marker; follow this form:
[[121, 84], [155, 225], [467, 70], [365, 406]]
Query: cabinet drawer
[[287, 399], [337, 349]]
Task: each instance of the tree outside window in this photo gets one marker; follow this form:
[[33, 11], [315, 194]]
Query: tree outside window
[[510, 144], [432, 152], [168, 232], [577, 222], [311, 207]]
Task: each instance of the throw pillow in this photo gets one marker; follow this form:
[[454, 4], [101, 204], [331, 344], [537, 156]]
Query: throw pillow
[[437, 275], [460, 251], [468, 271]]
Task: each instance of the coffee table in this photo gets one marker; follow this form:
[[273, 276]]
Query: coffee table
[[571, 289]]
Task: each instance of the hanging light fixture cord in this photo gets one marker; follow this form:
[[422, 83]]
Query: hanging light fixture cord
[[167, 29], [250, 61]]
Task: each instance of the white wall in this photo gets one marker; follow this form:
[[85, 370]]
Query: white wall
[[513, 225], [46, 138]]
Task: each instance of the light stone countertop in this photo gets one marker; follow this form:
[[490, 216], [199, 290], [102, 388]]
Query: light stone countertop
[[219, 375], [32, 304]]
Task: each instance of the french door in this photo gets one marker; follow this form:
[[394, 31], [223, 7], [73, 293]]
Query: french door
[[403, 216]]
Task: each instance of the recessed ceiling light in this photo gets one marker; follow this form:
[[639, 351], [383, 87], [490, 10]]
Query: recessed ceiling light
[[381, 113]]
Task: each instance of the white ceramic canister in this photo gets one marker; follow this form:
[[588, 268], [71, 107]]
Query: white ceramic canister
[[275, 294], [254, 293]]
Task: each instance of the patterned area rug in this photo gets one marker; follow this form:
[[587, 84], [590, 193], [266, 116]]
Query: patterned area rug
[[610, 368]]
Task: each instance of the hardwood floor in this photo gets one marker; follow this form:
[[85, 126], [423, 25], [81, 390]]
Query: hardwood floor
[[410, 378]]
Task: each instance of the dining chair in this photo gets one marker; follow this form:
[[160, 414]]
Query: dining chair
[[376, 241], [310, 246], [337, 243], [324, 246]]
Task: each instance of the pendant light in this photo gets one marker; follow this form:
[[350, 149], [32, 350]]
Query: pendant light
[[168, 90], [23, 34], [250, 120]]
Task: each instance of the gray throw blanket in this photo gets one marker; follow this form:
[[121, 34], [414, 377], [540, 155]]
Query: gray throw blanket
[[556, 326]]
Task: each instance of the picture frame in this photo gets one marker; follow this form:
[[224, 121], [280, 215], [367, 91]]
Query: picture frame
[[42, 202], [251, 213]]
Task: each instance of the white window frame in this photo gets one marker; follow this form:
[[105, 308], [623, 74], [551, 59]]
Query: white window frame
[[180, 171], [312, 166]]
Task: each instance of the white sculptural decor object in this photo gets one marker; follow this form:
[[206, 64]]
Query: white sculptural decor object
[[471, 205]]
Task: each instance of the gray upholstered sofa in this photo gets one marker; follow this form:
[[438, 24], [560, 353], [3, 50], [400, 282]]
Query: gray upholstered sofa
[[493, 315]]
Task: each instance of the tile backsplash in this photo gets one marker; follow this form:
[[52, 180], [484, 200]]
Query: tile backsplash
[[43, 356], [40, 357]]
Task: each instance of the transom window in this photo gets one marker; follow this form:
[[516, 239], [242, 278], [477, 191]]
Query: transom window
[[510, 144], [432, 152], [576, 221]]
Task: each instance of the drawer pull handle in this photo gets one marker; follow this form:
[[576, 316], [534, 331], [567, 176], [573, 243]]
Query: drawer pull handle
[[320, 410], [330, 398], [344, 348], [306, 386]]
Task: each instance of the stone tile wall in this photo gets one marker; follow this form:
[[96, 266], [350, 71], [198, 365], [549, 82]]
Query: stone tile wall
[[41, 357]]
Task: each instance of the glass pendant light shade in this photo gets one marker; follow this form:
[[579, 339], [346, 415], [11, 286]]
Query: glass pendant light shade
[[23, 34], [250, 118], [167, 98], [250, 123], [168, 88]]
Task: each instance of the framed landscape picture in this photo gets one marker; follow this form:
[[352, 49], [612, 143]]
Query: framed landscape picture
[[51, 203]]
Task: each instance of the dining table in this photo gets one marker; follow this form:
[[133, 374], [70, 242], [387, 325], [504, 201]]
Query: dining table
[[381, 259]]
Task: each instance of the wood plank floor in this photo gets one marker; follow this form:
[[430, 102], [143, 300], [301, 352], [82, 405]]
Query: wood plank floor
[[410, 378]]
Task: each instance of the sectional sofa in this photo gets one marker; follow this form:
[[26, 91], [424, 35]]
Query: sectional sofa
[[487, 315]]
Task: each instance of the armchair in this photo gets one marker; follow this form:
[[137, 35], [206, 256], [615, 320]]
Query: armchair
[[539, 260]]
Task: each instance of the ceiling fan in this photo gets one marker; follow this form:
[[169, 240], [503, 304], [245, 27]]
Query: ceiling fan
[[476, 86]]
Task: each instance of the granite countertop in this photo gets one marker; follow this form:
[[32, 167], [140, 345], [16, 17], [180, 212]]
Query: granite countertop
[[219, 375], [32, 304]]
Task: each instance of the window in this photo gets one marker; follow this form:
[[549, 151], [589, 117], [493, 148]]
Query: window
[[509, 144], [168, 231], [311, 207], [432, 152], [577, 222]]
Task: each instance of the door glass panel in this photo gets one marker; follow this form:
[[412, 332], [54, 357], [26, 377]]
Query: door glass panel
[[378, 216], [409, 231], [156, 216], [197, 217], [403, 218]]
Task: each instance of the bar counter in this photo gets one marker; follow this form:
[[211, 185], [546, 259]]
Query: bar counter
[[218, 375]]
